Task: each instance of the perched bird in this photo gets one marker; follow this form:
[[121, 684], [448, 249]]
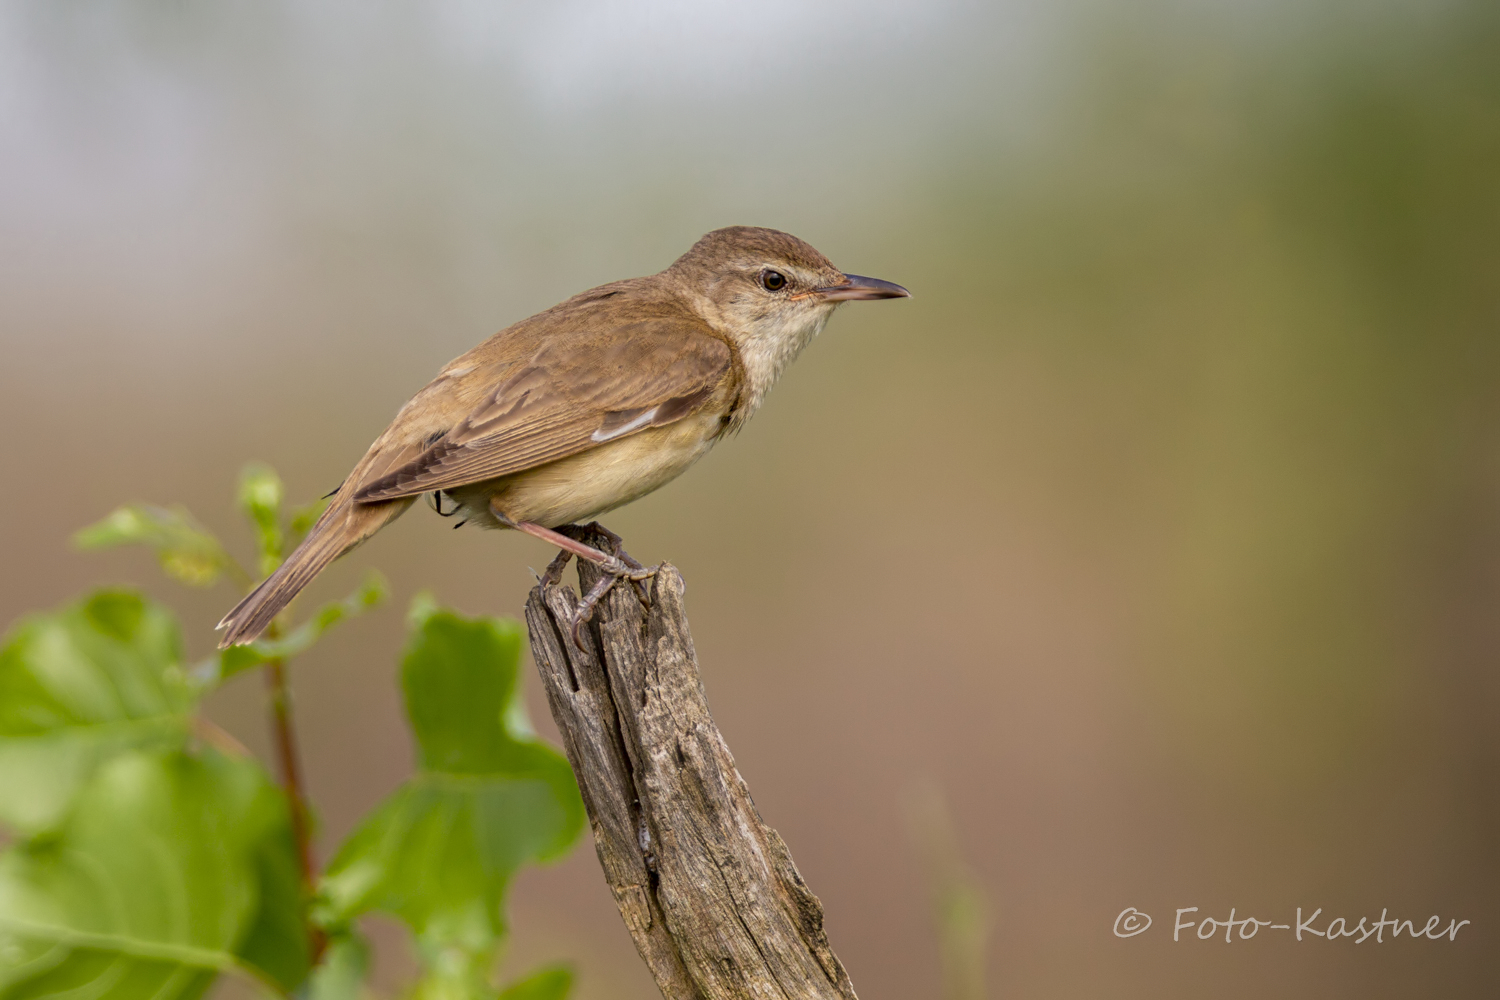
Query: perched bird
[[584, 407]]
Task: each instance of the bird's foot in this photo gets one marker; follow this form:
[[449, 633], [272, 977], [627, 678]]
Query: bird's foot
[[614, 566], [633, 570]]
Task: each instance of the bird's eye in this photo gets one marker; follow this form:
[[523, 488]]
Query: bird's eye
[[772, 281]]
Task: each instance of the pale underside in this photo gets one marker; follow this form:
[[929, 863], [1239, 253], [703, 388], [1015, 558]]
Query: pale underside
[[586, 485]]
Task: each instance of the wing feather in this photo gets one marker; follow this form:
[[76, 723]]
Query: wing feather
[[576, 392]]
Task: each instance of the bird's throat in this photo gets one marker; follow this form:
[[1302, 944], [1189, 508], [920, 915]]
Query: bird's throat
[[769, 347]]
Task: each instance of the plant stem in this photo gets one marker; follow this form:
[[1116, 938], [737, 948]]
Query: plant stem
[[287, 764], [290, 768], [219, 739]]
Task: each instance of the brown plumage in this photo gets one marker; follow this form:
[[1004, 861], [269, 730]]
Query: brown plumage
[[586, 406]]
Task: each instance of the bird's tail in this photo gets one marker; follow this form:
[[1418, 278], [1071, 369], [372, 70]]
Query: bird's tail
[[340, 529]]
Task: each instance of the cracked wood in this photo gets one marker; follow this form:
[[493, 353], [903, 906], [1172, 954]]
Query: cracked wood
[[710, 894]]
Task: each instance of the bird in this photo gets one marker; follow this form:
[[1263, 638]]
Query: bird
[[584, 407]]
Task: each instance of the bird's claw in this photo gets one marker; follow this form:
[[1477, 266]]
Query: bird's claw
[[552, 575], [612, 572], [636, 573], [622, 566]]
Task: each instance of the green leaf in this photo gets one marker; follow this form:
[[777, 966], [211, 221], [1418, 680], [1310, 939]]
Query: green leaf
[[79, 686], [487, 798], [341, 974], [551, 983], [276, 941], [260, 496], [186, 551], [153, 885], [452, 977], [227, 662]]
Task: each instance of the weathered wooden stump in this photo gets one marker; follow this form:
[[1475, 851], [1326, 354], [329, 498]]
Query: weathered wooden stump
[[709, 892]]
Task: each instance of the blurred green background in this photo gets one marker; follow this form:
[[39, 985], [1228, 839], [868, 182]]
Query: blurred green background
[[1159, 532]]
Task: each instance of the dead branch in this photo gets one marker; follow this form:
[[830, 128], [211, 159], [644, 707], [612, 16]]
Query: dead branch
[[708, 891]]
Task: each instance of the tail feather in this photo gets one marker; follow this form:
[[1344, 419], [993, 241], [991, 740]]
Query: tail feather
[[336, 532]]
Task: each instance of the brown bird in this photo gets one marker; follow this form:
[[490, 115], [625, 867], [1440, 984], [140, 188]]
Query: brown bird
[[585, 407]]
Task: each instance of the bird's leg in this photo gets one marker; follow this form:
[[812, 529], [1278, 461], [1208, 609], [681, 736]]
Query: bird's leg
[[611, 564], [614, 567]]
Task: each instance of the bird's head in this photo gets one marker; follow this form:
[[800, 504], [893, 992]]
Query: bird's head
[[768, 291], [761, 282]]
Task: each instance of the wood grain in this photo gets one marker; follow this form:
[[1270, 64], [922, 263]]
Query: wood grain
[[710, 893]]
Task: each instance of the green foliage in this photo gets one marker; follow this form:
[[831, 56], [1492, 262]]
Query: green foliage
[[372, 592], [487, 798], [158, 879], [341, 974], [77, 687], [145, 864], [186, 551], [959, 907], [260, 497], [552, 983]]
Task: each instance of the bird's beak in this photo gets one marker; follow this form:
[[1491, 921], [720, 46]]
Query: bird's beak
[[857, 286]]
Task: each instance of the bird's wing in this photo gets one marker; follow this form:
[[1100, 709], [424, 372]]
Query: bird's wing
[[577, 391]]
